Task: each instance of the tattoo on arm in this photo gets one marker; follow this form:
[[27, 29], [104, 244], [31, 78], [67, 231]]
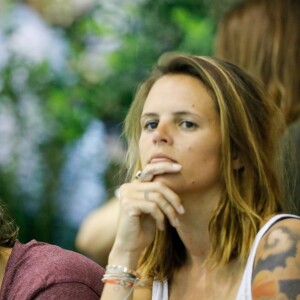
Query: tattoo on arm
[[277, 271], [278, 259], [291, 288]]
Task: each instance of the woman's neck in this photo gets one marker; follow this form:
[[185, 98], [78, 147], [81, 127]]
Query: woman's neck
[[4, 257], [194, 224]]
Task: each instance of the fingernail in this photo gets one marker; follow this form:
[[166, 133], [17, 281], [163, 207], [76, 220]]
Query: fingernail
[[181, 209], [176, 166]]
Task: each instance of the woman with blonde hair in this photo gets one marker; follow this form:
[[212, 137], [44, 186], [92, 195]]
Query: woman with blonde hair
[[203, 216]]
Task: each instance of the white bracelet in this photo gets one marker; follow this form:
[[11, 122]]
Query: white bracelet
[[120, 269]]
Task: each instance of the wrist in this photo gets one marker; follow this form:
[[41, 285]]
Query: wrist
[[124, 258]]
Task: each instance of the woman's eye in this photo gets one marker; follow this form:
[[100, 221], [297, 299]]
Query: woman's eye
[[188, 124], [150, 125]]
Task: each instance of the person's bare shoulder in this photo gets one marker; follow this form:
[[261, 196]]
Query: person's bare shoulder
[[276, 273]]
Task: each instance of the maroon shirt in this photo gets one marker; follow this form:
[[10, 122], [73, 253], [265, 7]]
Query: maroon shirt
[[42, 271]]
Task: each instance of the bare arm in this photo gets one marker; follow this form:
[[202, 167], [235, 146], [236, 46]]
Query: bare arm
[[144, 207], [97, 232], [276, 273]]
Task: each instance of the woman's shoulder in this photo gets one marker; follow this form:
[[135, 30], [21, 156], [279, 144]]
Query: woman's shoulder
[[283, 233], [280, 236], [277, 261]]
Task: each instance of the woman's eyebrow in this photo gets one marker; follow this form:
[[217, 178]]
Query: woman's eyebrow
[[177, 113], [149, 115], [182, 113]]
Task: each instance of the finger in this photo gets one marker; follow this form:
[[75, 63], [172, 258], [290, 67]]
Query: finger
[[131, 203], [164, 206], [164, 198], [167, 194], [138, 208], [152, 170], [169, 203]]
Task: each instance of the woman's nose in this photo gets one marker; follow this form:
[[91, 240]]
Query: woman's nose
[[162, 134]]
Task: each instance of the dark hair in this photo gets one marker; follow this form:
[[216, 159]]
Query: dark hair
[[8, 230]]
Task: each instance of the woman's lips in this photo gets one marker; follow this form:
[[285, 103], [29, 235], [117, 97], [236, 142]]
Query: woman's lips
[[161, 159]]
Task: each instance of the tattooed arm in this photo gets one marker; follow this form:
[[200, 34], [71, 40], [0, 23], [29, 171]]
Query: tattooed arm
[[276, 273]]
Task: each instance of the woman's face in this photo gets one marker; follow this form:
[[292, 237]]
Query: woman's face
[[180, 124]]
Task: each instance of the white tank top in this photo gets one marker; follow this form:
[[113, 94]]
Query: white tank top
[[160, 288]]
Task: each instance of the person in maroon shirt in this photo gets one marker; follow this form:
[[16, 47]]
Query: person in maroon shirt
[[39, 270]]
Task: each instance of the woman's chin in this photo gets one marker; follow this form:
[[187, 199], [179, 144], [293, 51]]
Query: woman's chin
[[169, 180]]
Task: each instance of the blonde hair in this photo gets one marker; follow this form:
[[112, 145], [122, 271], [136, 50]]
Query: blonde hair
[[250, 127], [263, 38]]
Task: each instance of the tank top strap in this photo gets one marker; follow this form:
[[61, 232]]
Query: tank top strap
[[160, 290]]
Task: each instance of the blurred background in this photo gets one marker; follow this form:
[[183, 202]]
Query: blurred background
[[69, 69]]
